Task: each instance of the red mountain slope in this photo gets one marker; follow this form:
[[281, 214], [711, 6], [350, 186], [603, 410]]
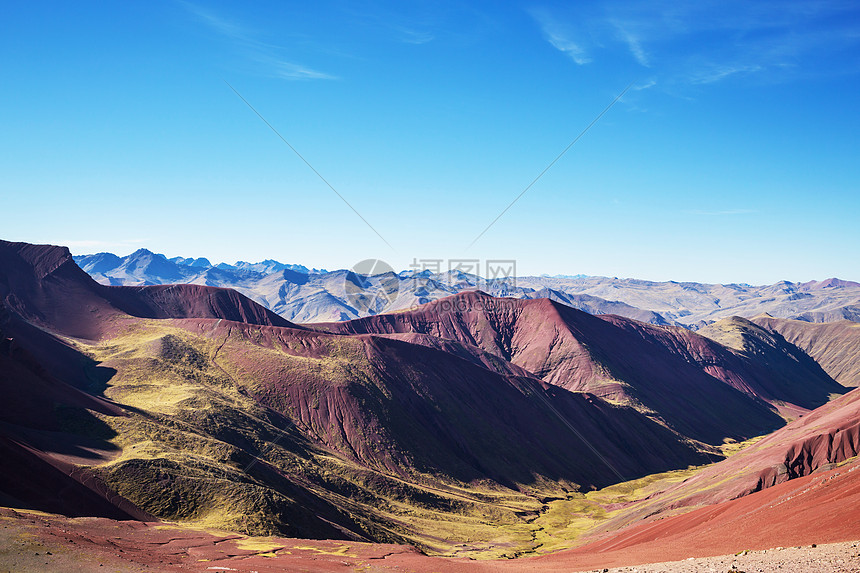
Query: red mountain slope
[[695, 385], [821, 508], [829, 435], [397, 406], [305, 431], [36, 412], [190, 301], [42, 284]]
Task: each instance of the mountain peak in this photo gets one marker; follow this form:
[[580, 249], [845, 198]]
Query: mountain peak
[[145, 254]]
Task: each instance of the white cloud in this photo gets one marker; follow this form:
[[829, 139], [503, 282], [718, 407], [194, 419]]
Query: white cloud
[[83, 243], [217, 23], [633, 44], [644, 86], [571, 49]]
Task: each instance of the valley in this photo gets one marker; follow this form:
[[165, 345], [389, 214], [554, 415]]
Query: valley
[[472, 428]]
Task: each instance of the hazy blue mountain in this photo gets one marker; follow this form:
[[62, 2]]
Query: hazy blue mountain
[[192, 262], [300, 294], [145, 267]]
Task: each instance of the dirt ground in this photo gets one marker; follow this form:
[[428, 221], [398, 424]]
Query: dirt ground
[[828, 558]]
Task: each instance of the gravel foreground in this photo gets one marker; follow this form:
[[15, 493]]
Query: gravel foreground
[[825, 558]]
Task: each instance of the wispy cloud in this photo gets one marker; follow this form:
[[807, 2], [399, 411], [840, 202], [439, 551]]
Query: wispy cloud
[[715, 73], [413, 36], [292, 71], [217, 23], [633, 44], [711, 41], [559, 38], [571, 49], [255, 50], [650, 83], [414, 23], [82, 243]]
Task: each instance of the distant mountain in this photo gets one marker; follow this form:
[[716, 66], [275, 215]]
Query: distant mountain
[[835, 346], [595, 305], [270, 266], [192, 262], [143, 267], [696, 304], [578, 276], [305, 296]]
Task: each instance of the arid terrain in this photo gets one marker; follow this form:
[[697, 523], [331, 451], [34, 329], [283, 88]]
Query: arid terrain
[[186, 427]]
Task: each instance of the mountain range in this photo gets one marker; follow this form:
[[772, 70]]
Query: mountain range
[[469, 425], [306, 296]]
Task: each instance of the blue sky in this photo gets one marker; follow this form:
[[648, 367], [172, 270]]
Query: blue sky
[[733, 157]]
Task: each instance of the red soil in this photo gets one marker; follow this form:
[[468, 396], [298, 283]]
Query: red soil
[[42, 284]]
